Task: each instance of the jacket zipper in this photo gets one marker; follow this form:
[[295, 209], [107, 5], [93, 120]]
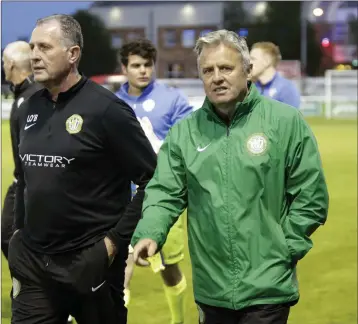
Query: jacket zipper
[[228, 131], [228, 128], [231, 247]]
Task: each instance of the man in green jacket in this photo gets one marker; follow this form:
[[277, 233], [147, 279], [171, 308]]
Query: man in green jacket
[[249, 171]]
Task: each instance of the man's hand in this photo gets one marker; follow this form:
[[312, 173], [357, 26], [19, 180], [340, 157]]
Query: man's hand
[[143, 249], [111, 249]]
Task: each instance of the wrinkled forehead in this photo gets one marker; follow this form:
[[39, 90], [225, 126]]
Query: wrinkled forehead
[[6, 54], [48, 32], [5, 58], [218, 53]]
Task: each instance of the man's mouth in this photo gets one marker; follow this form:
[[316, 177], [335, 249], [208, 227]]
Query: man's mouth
[[219, 90]]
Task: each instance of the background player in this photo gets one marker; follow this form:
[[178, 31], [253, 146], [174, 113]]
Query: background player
[[158, 108], [265, 57], [17, 68]]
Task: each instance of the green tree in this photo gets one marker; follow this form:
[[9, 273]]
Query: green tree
[[98, 56]]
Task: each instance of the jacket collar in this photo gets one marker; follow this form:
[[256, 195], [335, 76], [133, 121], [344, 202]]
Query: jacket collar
[[243, 107], [20, 88], [123, 91], [63, 96]]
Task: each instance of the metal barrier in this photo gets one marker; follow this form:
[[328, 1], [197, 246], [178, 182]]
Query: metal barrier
[[342, 104]]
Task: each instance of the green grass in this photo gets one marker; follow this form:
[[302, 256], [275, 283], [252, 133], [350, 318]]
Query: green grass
[[328, 274]]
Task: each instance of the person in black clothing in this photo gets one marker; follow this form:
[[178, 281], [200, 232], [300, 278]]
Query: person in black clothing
[[80, 148], [17, 69]]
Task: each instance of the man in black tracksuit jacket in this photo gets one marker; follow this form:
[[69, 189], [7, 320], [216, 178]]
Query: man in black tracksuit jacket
[[17, 68], [80, 148]]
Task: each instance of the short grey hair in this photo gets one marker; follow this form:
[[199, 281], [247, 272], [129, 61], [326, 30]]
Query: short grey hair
[[70, 27], [229, 38], [20, 53]]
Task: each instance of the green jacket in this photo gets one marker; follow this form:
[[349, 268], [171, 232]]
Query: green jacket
[[255, 192]]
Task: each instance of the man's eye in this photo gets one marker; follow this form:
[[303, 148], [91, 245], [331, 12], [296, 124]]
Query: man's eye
[[226, 69]]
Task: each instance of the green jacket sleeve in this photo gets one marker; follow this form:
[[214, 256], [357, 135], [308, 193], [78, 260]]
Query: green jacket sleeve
[[306, 189], [165, 195]]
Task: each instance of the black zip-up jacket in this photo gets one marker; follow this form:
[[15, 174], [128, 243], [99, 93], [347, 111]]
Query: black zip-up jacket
[[22, 92], [77, 158]]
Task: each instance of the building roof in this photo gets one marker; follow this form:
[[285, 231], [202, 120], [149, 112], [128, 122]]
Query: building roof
[[97, 4]]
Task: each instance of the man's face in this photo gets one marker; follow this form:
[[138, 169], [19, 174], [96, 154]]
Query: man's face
[[7, 68], [139, 71], [50, 58], [222, 73], [260, 61]]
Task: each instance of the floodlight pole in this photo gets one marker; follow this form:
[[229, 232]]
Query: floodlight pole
[[303, 55]]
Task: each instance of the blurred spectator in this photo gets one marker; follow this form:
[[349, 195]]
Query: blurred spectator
[[265, 56], [18, 74]]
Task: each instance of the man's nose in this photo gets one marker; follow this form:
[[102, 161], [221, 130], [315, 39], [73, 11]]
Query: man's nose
[[34, 55], [217, 76]]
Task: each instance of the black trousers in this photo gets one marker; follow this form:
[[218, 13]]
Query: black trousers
[[260, 314], [49, 288], [7, 219]]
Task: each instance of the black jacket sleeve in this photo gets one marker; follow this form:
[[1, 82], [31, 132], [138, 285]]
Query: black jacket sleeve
[[14, 132], [17, 118], [129, 143], [15, 124]]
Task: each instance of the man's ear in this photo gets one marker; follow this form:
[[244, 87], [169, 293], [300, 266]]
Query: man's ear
[[249, 72], [74, 54], [11, 65], [200, 75]]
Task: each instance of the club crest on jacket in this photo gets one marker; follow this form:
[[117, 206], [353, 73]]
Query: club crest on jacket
[[74, 124], [257, 144]]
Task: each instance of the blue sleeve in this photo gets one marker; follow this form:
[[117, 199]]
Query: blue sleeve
[[118, 94], [290, 95], [181, 108]]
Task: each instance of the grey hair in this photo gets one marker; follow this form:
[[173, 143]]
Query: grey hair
[[20, 53], [70, 27], [229, 38]]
